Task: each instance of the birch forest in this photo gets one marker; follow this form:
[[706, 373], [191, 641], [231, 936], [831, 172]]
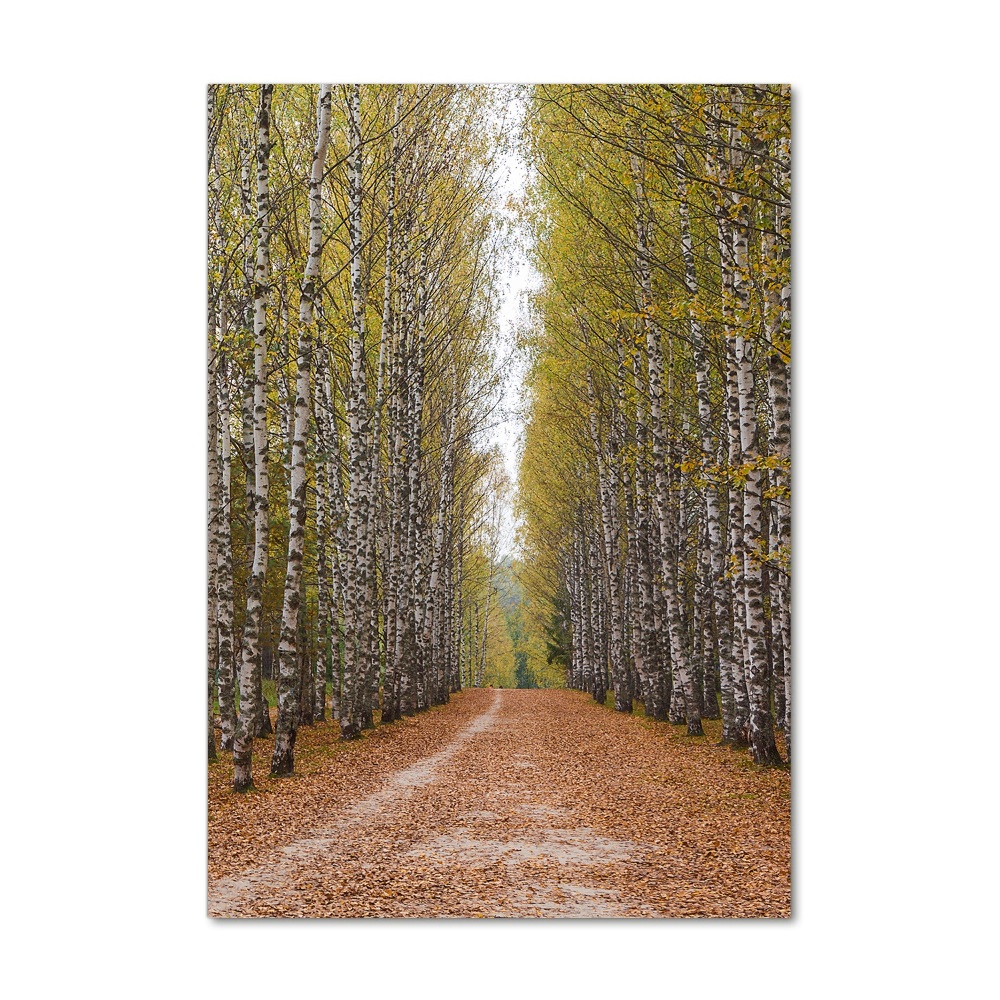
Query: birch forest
[[469, 524], [655, 482], [498, 398]]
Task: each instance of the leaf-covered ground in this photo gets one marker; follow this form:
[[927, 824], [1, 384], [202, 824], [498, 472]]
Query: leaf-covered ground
[[504, 803]]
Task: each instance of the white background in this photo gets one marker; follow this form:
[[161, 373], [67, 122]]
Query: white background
[[895, 223]]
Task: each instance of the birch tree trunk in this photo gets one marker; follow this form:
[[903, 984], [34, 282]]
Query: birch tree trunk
[[377, 520], [324, 652], [612, 567], [213, 465], [432, 641], [729, 550], [213, 546], [243, 739], [336, 507], [356, 608], [668, 558], [290, 681], [655, 708], [399, 532], [716, 601], [779, 392], [224, 580], [765, 751]]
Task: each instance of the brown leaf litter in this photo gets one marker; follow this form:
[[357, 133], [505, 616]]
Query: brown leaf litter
[[504, 803]]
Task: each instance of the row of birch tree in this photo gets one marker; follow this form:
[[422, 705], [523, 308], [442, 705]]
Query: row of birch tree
[[655, 481], [354, 259]]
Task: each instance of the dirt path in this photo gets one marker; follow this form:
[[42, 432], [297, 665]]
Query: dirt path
[[507, 803]]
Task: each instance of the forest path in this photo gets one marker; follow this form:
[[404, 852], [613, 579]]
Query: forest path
[[529, 803]]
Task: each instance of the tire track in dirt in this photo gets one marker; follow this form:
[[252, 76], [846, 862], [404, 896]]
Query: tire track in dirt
[[227, 894]]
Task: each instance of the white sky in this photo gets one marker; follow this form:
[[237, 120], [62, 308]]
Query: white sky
[[521, 277]]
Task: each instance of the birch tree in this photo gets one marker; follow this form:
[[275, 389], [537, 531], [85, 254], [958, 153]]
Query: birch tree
[[290, 683], [250, 667]]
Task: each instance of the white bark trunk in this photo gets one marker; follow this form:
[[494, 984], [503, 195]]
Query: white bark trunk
[[289, 654], [243, 740]]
